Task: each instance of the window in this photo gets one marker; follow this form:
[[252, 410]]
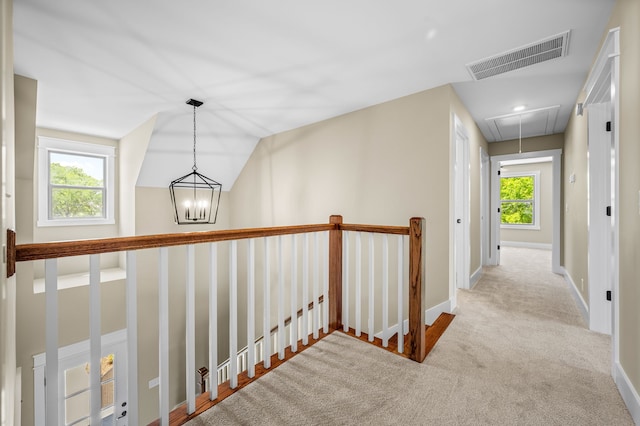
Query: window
[[519, 200], [76, 183]]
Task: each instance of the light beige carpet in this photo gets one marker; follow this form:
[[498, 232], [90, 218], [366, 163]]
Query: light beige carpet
[[517, 353]]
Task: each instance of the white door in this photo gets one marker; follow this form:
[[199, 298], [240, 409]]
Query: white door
[[485, 212], [74, 402], [461, 220], [600, 223]]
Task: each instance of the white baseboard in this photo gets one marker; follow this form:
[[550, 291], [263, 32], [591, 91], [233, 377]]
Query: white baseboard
[[475, 277], [582, 305], [430, 315], [522, 244], [628, 392]]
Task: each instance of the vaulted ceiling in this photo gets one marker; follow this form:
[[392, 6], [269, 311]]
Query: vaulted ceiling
[[105, 67]]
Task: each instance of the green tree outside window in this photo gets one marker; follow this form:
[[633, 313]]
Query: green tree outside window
[[517, 198], [74, 192]]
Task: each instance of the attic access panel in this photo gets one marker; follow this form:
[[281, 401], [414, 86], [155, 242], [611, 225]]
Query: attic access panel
[[536, 122]]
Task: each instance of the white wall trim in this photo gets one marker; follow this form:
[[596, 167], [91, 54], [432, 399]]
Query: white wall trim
[[523, 244], [475, 277], [582, 305], [430, 315], [628, 392]]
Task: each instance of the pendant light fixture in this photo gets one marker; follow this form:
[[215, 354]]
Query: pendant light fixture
[[194, 196]]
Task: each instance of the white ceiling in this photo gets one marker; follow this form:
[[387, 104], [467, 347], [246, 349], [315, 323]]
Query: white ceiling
[[105, 67]]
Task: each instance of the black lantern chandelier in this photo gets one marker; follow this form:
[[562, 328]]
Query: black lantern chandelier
[[194, 196]]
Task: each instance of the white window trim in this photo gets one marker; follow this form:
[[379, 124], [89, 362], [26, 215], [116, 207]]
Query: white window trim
[[536, 200], [45, 144]]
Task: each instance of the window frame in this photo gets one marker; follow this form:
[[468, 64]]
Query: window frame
[[47, 145], [536, 200]]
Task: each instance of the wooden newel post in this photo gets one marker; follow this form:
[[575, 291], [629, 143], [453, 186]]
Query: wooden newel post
[[335, 273], [416, 341]]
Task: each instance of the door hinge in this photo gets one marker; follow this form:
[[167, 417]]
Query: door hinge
[[498, 209], [498, 172], [609, 295], [498, 247], [608, 210], [608, 126]]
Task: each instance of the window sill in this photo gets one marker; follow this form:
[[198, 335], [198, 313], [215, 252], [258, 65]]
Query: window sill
[[81, 279], [83, 222], [521, 227]]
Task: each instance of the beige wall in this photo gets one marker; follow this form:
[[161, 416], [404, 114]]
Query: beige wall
[[73, 302], [381, 165], [575, 225], [626, 15], [544, 235], [538, 143]]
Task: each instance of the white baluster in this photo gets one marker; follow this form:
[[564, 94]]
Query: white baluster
[[385, 290], [316, 285], [305, 290], [345, 281], [233, 315], [132, 338], [371, 288], [293, 327], [95, 346], [213, 320], [51, 340], [281, 333], [325, 282], [358, 284], [251, 307], [266, 320], [400, 294], [190, 332], [163, 334]]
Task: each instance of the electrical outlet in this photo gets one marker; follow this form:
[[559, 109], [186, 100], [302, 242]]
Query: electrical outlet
[[154, 382]]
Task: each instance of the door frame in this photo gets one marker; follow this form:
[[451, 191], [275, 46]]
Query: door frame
[[460, 253], [556, 160], [603, 84], [115, 342], [485, 207]]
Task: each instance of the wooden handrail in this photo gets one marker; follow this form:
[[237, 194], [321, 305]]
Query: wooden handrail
[[38, 251], [379, 229]]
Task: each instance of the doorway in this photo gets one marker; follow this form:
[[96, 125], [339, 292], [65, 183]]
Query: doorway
[[461, 220], [496, 162], [601, 104], [74, 403]]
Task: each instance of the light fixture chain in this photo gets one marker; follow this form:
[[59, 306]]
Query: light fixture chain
[[195, 167]]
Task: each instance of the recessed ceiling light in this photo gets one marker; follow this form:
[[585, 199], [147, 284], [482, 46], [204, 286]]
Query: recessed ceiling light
[[519, 108]]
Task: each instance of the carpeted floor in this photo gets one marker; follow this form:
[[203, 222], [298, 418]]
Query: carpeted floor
[[517, 353]]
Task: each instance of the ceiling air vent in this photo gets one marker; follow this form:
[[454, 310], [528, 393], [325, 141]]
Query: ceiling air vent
[[540, 51]]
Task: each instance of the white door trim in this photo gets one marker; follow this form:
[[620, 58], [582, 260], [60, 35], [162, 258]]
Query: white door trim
[[603, 84], [556, 160], [460, 253], [485, 210], [111, 342]]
